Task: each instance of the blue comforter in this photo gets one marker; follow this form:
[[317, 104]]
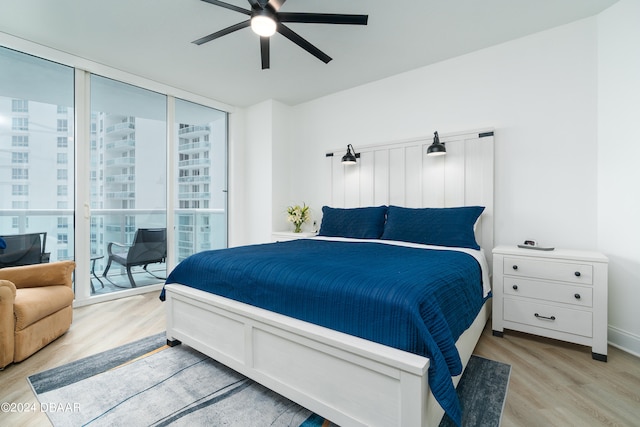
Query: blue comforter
[[414, 299]]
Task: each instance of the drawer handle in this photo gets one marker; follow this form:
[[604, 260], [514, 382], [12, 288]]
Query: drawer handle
[[515, 267], [545, 317], [577, 273], [515, 287], [577, 296]]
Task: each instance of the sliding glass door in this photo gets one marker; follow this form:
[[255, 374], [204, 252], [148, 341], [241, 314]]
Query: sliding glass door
[[128, 179], [84, 167], [36, 158], [200, 162]]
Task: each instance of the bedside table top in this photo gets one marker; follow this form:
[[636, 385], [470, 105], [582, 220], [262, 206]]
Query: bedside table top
[[572, 254], [293, 234]]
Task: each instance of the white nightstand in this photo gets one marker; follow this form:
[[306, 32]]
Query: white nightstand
[[283, 236], [560, 294]]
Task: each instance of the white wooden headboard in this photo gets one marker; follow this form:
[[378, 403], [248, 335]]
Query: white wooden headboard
[[400, 173]]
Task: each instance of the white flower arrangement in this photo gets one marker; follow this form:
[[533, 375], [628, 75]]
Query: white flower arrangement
[[298, 215]]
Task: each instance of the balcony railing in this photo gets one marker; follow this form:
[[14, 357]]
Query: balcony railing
[[195, 179], [205, 228], [192, 196], [121, 195], [121, 144], [121, 178], [121, 161], [194, 147], [194, 162], [194, 130], [121, 128]]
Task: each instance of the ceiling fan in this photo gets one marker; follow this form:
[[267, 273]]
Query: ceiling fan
[[266, 19]]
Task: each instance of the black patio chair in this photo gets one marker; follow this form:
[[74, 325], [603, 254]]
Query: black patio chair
[[149, 247], [24, 249]]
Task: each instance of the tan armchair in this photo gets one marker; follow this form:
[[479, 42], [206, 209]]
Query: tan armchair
[[35, 308]]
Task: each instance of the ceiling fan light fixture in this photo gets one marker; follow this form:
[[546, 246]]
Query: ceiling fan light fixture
[[263, 24], [265, 19]]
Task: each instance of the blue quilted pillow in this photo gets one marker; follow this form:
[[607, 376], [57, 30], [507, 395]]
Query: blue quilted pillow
[[3, 244], [433, 226], [360, 223]]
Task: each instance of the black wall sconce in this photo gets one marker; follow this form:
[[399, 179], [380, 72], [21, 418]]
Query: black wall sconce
[[436, 148], [351, 157]]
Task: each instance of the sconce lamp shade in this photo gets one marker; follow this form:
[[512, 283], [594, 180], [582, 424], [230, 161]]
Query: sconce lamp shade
[[436, 148], [351, 157]]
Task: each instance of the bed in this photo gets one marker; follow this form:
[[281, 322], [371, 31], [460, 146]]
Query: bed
[[304, 345]]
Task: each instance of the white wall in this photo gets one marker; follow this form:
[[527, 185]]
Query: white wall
[[538, 92], [564, 172], [282, 162], [260, 171], [619, 175], [253, 166]]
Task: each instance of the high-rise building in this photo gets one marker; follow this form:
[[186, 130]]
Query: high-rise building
[[37, 172]]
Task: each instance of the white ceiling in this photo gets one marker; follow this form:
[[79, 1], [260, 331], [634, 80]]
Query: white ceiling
[[152, 38]]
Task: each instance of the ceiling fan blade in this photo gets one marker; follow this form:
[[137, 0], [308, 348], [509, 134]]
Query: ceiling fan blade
[[228, 6], [222, 32], [264, 52], [323, 18], [276, 4], [297, 39]]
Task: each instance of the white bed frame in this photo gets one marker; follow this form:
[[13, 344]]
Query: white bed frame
[[348, 380]]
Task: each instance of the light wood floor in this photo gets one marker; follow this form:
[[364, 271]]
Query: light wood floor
[[552, 383], [95, 328]]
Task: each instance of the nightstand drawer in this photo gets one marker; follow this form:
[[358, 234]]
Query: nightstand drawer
[[561, 319], [568, 294], [551, 270]]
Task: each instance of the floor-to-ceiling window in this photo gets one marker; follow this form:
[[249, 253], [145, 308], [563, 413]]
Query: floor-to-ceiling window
[[37, 169], [200, 159], [90, 169], [128, 179]]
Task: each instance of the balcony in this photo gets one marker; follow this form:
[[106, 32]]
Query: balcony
[[121, 195], [194, 147], [121, 161], [193, 131], [194, 162], [122, 145], [121, 129], [194, 179], [120, 179], [194, 196], [205, 228]]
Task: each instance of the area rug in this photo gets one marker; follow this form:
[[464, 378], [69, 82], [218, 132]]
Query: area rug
[[482, 391], [146, 383]]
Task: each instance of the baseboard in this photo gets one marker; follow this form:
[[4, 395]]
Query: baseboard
[[624, 340]]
